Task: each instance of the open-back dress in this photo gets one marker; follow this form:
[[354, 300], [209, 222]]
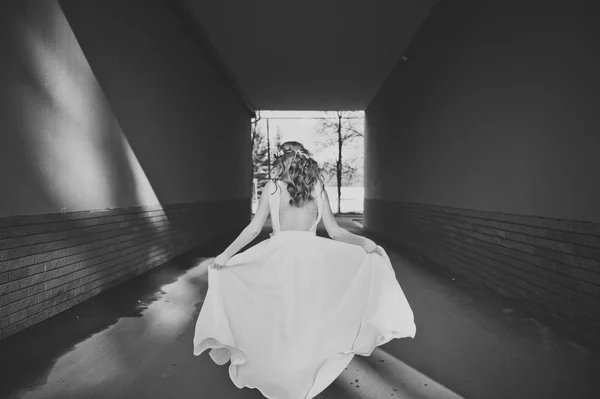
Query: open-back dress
[[291, 312]]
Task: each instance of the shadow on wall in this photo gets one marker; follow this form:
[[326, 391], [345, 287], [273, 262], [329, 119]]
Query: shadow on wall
[[63, 151], [179, 116], [182, 120]]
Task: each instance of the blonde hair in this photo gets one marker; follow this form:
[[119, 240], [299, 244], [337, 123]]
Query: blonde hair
[[295, 166]]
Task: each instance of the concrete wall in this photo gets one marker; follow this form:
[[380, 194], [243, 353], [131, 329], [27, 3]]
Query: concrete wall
[[482, 152], [108, 104], [110, 107], [495, 110]]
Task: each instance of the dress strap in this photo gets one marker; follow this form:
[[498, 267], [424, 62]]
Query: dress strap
[[274, 199], [319, 198]]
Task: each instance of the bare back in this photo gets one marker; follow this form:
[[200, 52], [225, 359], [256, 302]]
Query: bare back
[[293, 218]]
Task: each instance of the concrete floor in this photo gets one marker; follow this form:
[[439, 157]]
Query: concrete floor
[[135, 341]]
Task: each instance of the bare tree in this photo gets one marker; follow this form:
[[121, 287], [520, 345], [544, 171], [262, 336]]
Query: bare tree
[[254, 127], [278, 140], [260, 156], [339, 130], [261, 144], [268, 149]]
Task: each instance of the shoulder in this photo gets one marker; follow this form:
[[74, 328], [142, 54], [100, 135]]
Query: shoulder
[[272, 186], [319, 186], [319, 189]]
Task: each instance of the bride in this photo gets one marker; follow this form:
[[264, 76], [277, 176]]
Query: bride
[[290, 312]]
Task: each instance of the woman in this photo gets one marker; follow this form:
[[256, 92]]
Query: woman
[[292, 311]]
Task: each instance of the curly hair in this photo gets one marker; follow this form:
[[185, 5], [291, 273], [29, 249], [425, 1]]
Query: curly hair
[[295, 166]]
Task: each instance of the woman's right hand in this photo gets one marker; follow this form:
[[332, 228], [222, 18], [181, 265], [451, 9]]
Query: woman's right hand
[[219, 262]]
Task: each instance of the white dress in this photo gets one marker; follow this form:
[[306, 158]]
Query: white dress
[[292, 311]]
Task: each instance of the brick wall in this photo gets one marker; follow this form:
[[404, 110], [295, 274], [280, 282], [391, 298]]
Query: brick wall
[[49, 263], [550, 267]]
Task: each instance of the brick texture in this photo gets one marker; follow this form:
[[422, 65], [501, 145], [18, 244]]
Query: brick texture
[[551, 268], [49, 263]]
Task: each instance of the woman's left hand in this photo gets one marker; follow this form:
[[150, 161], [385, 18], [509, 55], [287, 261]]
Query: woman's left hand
[[371, 247], [219, 262]]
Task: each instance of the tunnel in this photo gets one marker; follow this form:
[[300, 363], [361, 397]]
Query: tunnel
[[126, 160]]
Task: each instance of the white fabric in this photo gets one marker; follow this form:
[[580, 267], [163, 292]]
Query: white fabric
[[292, 311]]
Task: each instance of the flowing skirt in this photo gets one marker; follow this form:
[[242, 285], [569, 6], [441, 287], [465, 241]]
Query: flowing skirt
[[292, 311]]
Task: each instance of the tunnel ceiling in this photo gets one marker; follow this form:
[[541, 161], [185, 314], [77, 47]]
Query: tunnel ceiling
[[311, 54]]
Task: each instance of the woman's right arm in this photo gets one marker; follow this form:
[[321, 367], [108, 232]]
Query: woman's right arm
[[339, 233]]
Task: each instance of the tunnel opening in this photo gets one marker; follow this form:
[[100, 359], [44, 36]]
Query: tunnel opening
[[336, 141]]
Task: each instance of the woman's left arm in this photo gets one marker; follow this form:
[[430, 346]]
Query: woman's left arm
[[249, 233]]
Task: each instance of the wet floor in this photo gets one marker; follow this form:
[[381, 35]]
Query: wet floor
[[135, 341]]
